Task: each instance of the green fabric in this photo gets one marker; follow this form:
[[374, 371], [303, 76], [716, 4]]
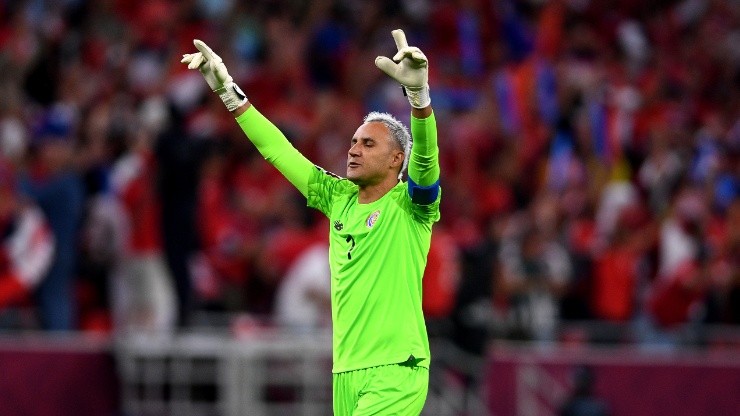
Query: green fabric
[[424, 159], [276, 148], [385, 390], [377, 251], [377, 255]]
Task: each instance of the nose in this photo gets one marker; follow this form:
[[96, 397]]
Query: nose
[[354, 150]]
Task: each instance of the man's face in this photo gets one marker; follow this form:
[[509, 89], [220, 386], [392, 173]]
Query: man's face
[[373, 155]]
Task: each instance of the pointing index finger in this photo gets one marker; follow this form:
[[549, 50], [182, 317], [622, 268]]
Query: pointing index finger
[[206, 51], [400, 39]]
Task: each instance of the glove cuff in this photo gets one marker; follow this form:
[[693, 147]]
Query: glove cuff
[[232, 96], [418, 96]]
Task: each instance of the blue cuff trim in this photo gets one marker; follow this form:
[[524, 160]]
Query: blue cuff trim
[[423, 195]]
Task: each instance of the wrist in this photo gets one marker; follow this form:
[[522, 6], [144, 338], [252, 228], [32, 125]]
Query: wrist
[[241, 109], [231, 95], [418, 96]]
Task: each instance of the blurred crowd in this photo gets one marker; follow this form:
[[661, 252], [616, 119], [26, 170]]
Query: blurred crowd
[[589, 154]]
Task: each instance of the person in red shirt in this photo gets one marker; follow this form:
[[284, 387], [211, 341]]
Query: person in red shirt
[[617, 269], [143, 294], [674, 296], [682, 281], [441, 276]]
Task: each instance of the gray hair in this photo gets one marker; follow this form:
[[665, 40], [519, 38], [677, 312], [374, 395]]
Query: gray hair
[[398, 132]]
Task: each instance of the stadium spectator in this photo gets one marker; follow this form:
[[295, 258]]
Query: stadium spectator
[[616, 276], [143, 297], [179, 155], [441, 278], [681, 282], [303, 299], [535, 269], [53, 184], [26, 244]]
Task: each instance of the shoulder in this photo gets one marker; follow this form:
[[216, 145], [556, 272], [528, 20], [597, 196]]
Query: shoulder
[[327, 178], [325, 189]]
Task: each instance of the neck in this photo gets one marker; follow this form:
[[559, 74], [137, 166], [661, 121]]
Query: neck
[[372, 193]]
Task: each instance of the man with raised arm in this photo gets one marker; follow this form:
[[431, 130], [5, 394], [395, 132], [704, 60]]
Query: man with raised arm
[[379, 235]]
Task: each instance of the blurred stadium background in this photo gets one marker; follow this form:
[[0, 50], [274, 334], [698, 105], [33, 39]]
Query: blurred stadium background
[[152, 263]]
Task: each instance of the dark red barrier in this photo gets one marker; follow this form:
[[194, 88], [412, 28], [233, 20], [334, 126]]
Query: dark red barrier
[[54, 382], [629, 383]]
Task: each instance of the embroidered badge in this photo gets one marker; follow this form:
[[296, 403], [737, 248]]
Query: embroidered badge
[[372, 219]]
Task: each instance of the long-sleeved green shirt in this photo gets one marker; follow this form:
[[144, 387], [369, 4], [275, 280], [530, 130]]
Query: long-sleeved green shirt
[[377, 250]]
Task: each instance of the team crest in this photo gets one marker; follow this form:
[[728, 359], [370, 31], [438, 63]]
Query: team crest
[[372, 219]]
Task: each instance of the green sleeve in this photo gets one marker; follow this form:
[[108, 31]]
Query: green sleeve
[[424, 160], [276, 149]]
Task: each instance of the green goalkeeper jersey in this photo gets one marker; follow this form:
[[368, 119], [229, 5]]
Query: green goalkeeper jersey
[[377, 251]]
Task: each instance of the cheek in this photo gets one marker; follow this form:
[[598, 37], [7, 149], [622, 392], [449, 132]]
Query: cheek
[[381, 158]]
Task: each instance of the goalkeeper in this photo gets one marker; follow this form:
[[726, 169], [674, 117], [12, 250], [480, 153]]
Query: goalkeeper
[[380, 231]]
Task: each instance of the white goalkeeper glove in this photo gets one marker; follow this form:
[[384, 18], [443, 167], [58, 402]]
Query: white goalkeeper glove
[[410, 68], [214, 71]]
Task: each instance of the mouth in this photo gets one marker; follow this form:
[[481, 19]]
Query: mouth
[[353, 165]]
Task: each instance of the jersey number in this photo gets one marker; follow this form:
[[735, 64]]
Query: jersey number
[[350, 239]]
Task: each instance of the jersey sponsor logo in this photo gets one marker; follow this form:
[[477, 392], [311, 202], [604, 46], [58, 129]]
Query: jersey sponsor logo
[[372, 219], [338, 225]]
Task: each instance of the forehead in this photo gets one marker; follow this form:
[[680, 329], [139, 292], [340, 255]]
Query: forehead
[[374, 130]]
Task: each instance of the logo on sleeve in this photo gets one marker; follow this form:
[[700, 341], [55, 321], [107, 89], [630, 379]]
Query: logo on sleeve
[[372, 219], [338, 225]]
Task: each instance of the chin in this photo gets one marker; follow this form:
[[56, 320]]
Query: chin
[[355, 178]]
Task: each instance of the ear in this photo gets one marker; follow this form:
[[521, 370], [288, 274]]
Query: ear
[[397, 160]]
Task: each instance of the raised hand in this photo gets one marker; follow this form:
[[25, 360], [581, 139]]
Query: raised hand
[[216, 75], [409, 64]]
